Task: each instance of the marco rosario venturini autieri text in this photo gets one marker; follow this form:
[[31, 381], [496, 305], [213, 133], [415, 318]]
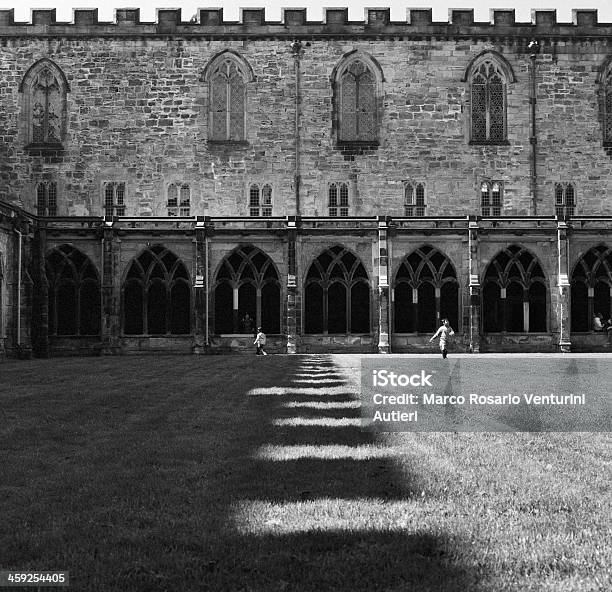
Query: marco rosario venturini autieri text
[[423, 379]]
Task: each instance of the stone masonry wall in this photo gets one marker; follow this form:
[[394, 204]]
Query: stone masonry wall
[[138, 113]]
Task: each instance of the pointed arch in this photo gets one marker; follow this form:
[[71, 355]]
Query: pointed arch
[[488, 76], [227, 75], [74, 292], [515, 293], [156, 294], [425, 290], [337, 293], [357, 83], [604, 81], [247, 292], [44, 89], [591, 287]]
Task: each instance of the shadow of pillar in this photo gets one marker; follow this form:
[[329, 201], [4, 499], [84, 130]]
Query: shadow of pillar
[[320, 505]]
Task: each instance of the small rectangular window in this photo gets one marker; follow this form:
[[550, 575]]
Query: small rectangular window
[[414, 199], [46, 198], [565, 200], [338, 199], [491, 198], [114, 199]]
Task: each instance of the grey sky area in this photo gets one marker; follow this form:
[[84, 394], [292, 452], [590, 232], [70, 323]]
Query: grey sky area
[[315, 8]]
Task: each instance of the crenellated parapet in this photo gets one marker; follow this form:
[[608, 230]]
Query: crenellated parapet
[[210, 23]]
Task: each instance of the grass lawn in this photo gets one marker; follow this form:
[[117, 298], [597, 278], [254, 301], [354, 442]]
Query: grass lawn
[[245, 473]]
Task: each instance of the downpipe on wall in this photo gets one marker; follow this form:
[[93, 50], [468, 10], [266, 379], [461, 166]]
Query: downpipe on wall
[[534, 48]]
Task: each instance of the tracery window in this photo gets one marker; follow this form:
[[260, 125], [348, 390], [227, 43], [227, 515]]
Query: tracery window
[[337, 294], [607, 119], [414, 199], [179, 199], [514, 296], [425, 292], [491, 198], [46, 198], [356, 89], [488, 102], [338, 199], [114, 199], [591, 288], [565, 200], [157, 295], [44, 89], [247, 293], [260, 200], [227, 80], [74, 293]]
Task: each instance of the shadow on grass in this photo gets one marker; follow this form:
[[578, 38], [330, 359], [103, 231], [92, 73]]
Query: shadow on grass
[[164, 474]]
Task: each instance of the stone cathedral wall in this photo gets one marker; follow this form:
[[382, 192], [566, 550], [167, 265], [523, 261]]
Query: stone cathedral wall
[[138, 111]]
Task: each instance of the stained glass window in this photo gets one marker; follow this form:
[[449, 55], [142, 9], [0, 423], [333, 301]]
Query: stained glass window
[[227, 102], [358, 118], [45, 88], [608, 106], [488, 103]]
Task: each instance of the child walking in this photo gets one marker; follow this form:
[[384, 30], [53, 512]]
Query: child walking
[[260, 342], [444, 332]]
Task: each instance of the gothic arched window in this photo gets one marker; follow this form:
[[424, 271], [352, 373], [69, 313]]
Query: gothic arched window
[[157, 295], [337, 294], [514, 295], [44, 89], [488, 77], [607, 104], [357, 87], [74, 293], [227, 77], [591, 287], [247, 293], [425, 291]]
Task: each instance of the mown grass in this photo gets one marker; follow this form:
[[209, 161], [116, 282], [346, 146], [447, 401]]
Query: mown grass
[[188, 473]]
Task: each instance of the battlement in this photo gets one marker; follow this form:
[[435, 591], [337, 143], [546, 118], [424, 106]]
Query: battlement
[[209, 22]]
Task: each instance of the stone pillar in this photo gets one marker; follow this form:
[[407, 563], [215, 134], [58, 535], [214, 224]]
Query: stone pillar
[[563, 299], [474, 287], [384, 346], [111, 322], [292, 303], [40, 295], [200, 287]]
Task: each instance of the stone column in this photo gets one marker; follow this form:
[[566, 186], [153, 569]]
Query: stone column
[[384, 346], [474, 287], [563, 299], [200, 287], [292, 302], [111, 291], [40, 295]]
